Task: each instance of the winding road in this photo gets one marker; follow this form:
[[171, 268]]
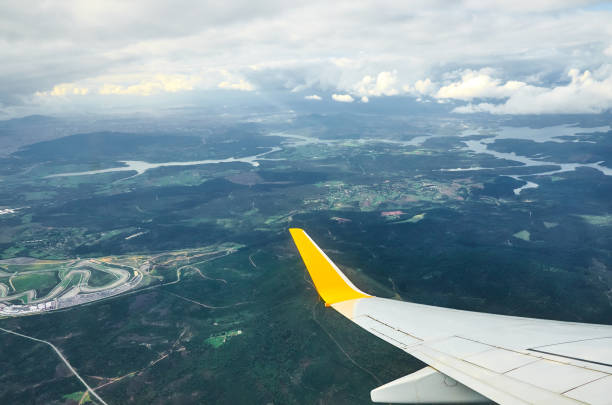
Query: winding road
[[61, 356]]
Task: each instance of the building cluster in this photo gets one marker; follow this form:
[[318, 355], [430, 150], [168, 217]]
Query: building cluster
[[13, 309]]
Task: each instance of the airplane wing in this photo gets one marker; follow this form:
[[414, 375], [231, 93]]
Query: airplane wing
[[472, 356]]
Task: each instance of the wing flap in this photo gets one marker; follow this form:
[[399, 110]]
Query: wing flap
[[426, 386], [593, 350], [391, 335], [595, 393], [501, 360], [555, 376], [497, 387]]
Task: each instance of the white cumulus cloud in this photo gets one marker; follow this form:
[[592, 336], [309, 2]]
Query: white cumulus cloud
[[586, 93], [343, 98], [149, 86], [384, 84], [64, 89], [424, 87], [313, 97], [478, 84]]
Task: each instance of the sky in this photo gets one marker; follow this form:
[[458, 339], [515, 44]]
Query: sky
[[493, 56]]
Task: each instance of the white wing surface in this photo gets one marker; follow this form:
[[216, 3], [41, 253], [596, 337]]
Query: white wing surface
[[472, 356]]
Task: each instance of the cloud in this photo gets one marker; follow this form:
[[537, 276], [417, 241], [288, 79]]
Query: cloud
[[524, 5], [232, 82], [146, 87], [241, 84], [424, 87], [62, 90], [365, 99], [586, 93], [342, 62], [370, 49], [313, 97], [383, 85], [478, 84], [343, 98]]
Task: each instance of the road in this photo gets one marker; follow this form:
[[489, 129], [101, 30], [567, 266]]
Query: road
[[91, 391]]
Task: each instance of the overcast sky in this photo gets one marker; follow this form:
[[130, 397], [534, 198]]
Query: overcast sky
[[517, 57]]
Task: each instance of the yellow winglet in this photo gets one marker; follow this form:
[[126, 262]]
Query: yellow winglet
[[331, 284]]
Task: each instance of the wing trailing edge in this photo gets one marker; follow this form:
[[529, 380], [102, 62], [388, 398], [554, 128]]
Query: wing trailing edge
[[426, 386]]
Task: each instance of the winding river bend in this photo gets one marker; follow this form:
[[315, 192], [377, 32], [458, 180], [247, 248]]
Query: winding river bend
[[140, 167], [538, 135]]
